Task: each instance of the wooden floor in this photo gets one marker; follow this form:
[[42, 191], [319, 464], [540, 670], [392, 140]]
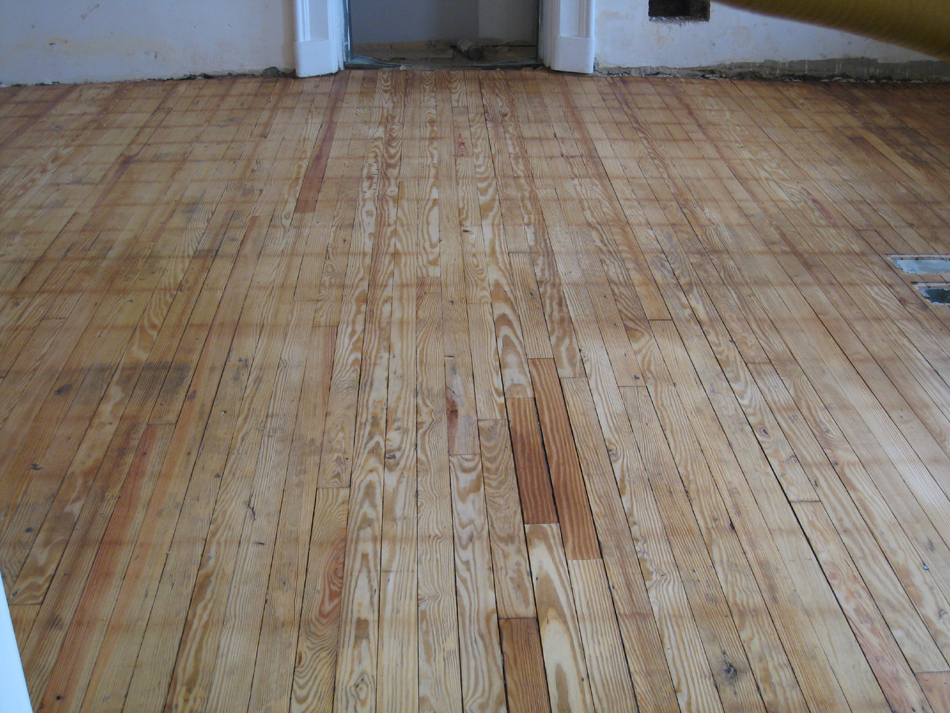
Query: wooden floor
[[457, 391]]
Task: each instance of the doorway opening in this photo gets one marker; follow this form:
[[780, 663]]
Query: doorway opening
[[438, 34]]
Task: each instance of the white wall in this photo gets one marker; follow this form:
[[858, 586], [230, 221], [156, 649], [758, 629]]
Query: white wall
[[104, 40], [626, 37]]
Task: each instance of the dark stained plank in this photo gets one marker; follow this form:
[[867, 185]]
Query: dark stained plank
[[524, 666], [570, 493], [534, 482]]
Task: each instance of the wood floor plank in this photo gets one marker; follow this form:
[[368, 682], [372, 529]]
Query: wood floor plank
[[890, 668], [440, 685], [439, 658], [398, 674], [315, 666], [356, 679], [375, 216], [864, 423], [937, 688], [23, 618], [528, 302], [461, 409], [272, 687], [570, 493], [561, 644], [813, 675], [489, 392], [71, 673], [480, 653], [845, 656], [524, 666], [750, 617], [262, 329], [437, 391], [240, 676], [905, 595], [611, 687], [534, 482], [505, 525], [217, 410], [610, 497], [729, 663]]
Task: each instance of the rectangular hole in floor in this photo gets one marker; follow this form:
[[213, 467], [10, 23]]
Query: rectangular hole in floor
[[935, 293], [922, 264]]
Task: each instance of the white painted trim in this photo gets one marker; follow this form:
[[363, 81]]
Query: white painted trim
[[14, 696], [566, 41], [320, 36]]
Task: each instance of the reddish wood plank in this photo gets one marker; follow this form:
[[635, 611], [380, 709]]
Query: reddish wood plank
[[577, 523], [534, 482], [524, 666]]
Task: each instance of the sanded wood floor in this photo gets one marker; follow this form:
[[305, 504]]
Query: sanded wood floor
[[457, 391]]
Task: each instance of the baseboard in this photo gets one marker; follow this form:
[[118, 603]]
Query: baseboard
[[860, 69]]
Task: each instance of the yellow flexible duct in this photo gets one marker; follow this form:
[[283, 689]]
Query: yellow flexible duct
[[923, 25]]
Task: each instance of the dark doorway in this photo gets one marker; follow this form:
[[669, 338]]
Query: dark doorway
[[443, 33]]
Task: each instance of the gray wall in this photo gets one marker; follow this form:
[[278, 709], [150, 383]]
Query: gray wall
[[373, 21], [376, 21]]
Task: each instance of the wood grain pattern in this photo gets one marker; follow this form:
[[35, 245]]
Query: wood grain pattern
[[442, 391], [316, 647], [611, 687], [524, 666], [480, 653], [440, 685], [937, 688], [570, 493], [534, 482], [563, 650], [505, 525], [659, 574]]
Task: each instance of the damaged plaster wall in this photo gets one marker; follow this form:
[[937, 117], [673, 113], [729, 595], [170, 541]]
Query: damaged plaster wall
[[734, 41], [65, 41]]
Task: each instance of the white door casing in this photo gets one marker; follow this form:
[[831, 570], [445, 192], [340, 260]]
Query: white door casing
[[565, 40], [320, 35], [14, 697], [566, 37]]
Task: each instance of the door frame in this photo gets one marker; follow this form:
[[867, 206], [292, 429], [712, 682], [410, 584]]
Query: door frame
[[321, 36], [565, 36]]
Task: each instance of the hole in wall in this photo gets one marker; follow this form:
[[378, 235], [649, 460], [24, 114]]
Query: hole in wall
[[679, 9]]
